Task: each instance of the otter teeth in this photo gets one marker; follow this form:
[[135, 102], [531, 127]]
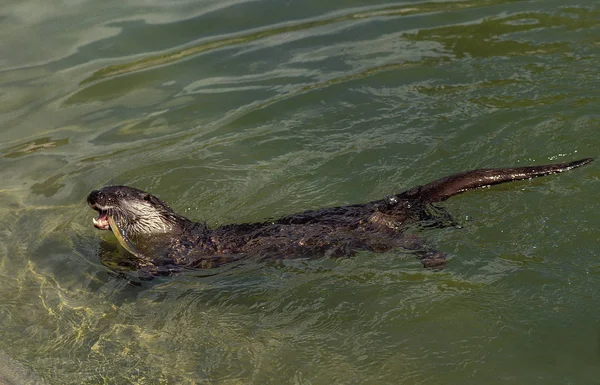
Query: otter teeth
[[101, 223]]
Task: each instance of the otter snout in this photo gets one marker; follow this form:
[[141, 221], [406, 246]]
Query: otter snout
[[97, 200], [95, 196], [104, 198]]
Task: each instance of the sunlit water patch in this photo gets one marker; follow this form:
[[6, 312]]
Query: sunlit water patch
[[241, 111]]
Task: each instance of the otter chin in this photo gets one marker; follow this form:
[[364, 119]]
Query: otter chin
[[162, 240]]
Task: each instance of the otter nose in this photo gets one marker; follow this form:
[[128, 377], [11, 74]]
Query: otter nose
[[95, 197]]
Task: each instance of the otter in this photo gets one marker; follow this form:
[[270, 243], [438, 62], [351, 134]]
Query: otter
[[162, 241]]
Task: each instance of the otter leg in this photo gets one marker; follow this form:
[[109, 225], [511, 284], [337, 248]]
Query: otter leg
[[430, 258]]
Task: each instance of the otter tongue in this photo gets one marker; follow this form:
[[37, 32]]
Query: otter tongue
[[102, 222]]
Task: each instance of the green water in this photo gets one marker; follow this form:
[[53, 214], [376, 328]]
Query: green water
[[244, 110]]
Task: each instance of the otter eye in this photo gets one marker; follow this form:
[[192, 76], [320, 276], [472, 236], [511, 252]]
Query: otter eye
[[147, 197]]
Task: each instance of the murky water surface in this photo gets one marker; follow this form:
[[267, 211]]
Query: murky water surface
[[237, 111]]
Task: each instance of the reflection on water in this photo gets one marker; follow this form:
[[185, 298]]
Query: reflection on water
[[239, 111]]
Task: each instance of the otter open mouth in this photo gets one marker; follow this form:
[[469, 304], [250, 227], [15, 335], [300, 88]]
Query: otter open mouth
[[101, 222], [99, 201]]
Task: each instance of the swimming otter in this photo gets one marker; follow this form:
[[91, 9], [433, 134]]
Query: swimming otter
[[162, 241]]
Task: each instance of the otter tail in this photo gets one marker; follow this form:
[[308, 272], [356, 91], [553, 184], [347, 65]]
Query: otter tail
[[444, 188]]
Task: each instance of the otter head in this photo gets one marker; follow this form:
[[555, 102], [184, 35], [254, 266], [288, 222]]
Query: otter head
[[135, 211]]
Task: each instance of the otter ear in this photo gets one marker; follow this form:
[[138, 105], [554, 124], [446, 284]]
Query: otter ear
[[148, 198]]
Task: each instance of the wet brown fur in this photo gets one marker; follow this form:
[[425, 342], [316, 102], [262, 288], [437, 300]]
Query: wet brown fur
[[376, 226]]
